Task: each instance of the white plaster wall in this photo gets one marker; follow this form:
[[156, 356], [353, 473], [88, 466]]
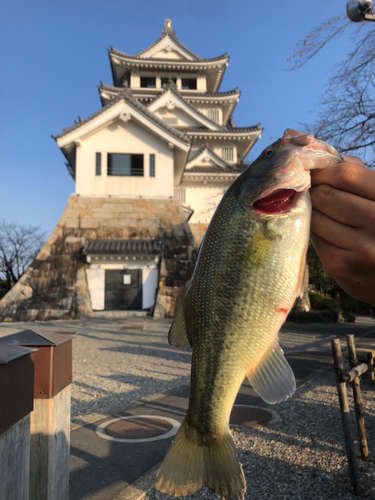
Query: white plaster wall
[[204, 199], [165, 54], [120, 137], [135, 80], [202, 83], [150, 284], [95, 282]]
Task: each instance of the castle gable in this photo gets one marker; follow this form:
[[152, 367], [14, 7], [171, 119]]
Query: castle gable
[[173, 109]]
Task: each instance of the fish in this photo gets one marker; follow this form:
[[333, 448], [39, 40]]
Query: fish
[[249, 271]]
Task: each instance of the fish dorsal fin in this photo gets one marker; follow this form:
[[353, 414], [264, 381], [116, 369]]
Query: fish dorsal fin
[[177, 334], [274, 379]]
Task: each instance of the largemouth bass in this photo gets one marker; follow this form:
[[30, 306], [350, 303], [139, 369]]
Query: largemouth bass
[[248, 274]]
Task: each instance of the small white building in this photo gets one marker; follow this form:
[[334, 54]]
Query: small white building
[[150, 168]]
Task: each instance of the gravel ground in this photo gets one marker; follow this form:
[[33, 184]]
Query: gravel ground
[[302, 457], [114, 365], [119, 361]]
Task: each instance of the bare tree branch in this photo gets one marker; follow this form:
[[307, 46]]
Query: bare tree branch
[[19, 245], [316, 40], [346, 117]]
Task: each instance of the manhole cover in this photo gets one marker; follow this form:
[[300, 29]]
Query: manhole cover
[[138, 428], [252, 416], [131, 327]]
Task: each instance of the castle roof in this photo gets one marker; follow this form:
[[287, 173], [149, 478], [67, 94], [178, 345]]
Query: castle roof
[[126, 96], [168, 54], [124, 107], [212, 163], [227, 100]]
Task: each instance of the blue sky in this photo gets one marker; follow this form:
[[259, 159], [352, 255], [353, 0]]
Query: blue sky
[[54, 54]]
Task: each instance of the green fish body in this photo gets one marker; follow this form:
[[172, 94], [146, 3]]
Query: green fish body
[[248, 274]]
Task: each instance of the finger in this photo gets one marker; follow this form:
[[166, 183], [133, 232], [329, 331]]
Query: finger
[[354, 159], [344, 207], [328, 253], [347, 177], [338, 263], [336, 233]]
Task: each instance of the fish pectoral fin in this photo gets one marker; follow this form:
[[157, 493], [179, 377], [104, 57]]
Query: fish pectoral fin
[[177, 335], [274, 379]]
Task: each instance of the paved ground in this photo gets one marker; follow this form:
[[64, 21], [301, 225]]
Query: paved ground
[[126, 367]]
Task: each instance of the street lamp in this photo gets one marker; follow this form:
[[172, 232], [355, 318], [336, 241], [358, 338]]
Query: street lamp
[[360, 11]]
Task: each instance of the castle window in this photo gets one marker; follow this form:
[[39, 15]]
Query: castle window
[[148, 82], [189, 84], [98, 164], [152, 165], [213, 115], [227, 154], [125, 164], [170, 120]]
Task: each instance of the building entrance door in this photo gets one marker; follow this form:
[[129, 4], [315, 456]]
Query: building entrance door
[[123, 290]]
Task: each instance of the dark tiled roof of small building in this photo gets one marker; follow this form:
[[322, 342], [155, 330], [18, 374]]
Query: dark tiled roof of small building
[[122, 247]]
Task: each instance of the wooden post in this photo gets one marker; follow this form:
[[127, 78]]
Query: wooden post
[[16, 403], [345, 415], [358, 404], [50, 420]]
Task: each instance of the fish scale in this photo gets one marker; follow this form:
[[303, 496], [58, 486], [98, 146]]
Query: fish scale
[[248, 273]]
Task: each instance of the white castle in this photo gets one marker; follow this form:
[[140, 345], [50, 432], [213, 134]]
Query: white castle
[[150, 168]]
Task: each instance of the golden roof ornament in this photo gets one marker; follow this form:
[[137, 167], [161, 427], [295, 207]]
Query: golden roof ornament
[[168, 28]]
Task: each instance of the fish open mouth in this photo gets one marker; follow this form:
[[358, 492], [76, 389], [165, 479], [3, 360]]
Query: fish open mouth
[[278, 202]]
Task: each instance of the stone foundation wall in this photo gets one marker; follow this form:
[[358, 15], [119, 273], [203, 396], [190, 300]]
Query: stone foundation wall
[[55, 285]]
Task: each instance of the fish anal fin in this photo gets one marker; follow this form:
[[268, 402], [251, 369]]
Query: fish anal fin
[[177, 335], [273, 379]]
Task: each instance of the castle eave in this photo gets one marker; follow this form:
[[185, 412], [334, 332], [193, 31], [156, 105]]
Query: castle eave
[[122, 247]]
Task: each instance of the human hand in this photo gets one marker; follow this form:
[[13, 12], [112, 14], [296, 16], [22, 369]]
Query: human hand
[[343, 225]]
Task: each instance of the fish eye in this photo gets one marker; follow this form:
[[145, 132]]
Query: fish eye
[[269, 152]]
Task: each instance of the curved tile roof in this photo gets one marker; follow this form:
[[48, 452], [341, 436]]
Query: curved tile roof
[[168, 61], [226, 130], [125, 94], [183, 93], [189, 106], [122, 246], [174, 37], [235, 169]]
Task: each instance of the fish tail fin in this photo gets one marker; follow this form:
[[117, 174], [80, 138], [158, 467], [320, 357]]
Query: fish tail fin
[[223, 473], [190, 462]]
